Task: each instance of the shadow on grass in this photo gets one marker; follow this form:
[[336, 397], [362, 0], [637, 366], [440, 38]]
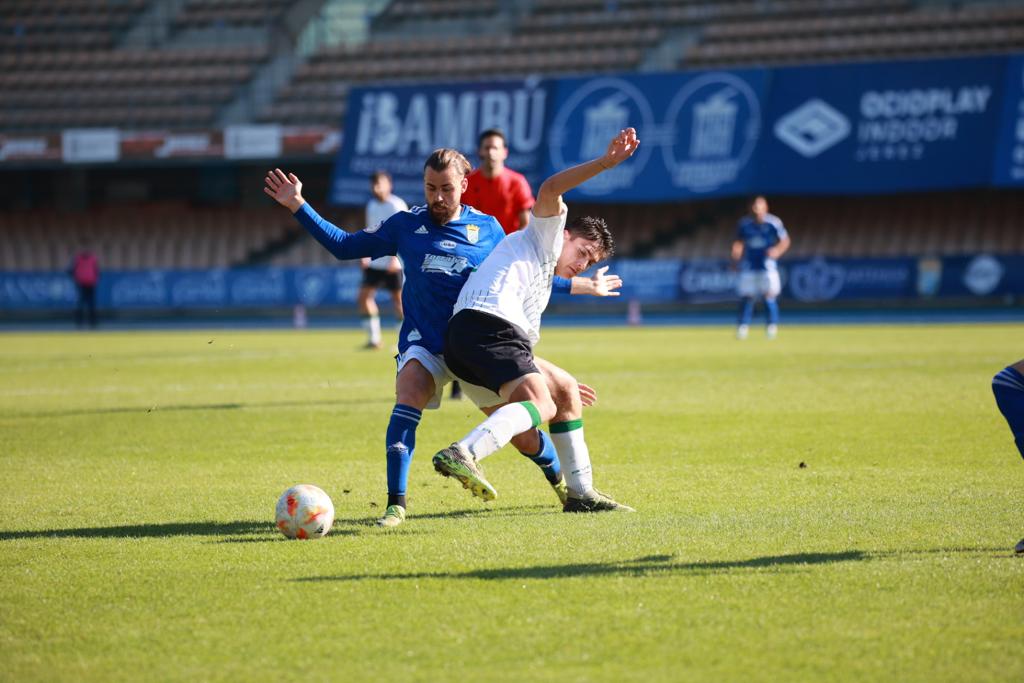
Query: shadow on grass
[[643, 566], [204, 406], [239, 528]]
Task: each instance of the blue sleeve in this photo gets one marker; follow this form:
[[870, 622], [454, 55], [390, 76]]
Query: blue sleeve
[[561, 284], [372, 242]]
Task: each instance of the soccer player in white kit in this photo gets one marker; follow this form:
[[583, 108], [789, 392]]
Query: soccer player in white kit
[[496, 324], [383, 271]]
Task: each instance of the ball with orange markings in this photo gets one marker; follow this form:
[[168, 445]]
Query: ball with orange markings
[[305, 512]]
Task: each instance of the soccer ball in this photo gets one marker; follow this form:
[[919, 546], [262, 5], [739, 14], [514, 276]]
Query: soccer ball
[[304, 511]]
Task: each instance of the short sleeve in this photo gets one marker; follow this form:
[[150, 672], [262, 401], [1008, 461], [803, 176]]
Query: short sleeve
[[780, 229], [548, 229], [523, 194]]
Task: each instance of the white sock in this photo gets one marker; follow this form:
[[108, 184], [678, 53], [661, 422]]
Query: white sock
[[372, 325], [573, 455], [498, 429]]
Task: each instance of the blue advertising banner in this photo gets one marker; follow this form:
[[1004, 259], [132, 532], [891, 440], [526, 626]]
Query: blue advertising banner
[[189, 289], [817, 280], [982, 275], [882, 127], [396, 128], [1009, 156], [698, 132], [851, 128]]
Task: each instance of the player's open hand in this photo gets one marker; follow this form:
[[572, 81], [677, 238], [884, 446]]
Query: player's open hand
[[286, 190], [588, 395], [605, 285], [620, 148]]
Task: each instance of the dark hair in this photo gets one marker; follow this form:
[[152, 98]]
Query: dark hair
[[378, 174], [444, 157], [491, 132], [594, 229]]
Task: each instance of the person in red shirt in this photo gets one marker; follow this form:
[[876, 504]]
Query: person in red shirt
[[85, 270], [495, 189]]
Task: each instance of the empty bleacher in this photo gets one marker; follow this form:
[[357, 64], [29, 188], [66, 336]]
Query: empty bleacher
[[131, 238], [317, 91], [878, 35], [122, 88], [864, 227]]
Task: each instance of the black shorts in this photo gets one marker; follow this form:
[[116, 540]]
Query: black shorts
[[382, 279], [486, 350]]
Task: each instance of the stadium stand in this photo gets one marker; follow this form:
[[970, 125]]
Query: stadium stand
[[908, 33], [906, 225], [67, 63]]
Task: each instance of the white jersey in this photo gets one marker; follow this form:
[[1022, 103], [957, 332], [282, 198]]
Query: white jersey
[[376, 213], [514, 281]]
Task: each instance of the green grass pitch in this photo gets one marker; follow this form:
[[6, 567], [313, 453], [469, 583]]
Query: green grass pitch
[[140, 472]]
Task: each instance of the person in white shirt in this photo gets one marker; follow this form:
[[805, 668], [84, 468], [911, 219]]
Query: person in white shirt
[[385, 271], [496, 324]]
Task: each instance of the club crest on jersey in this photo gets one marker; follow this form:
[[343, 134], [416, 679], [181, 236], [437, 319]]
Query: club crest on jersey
[[473, 233]]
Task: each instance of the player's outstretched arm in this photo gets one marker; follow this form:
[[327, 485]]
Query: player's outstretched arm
[[549, 198], [286, 190], [598, 285]]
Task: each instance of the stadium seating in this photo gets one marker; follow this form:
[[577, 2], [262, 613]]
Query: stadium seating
[[908, 225], [926, 32], [124, 88]]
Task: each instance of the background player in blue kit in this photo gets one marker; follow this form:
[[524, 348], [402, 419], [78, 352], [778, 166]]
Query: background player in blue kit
[[441, 243], [1008, 387], [760, 240]]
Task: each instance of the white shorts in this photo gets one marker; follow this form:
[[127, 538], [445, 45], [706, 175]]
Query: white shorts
[[759, 283], [482, 397]]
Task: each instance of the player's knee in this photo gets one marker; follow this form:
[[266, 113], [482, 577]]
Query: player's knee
[[414, 386], [546, 407]]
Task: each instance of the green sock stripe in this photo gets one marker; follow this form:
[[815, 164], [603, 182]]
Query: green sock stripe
[[563, 427], [532, 410]]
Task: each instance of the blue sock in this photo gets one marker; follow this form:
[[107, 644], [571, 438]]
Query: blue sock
[[1008, 386], [746, 310], [772, 306], [547, 458], [401, 442]]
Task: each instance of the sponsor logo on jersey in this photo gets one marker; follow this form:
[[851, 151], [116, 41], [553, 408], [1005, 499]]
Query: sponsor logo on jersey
[[445, 244], [473, 233], [422, 230], [444, 263]]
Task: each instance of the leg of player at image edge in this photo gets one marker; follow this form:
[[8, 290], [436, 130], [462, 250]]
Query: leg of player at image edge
[[1008, 387], [401, 442]]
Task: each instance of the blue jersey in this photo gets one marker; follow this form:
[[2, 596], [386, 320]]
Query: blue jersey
[[757, 239], [438, 260]]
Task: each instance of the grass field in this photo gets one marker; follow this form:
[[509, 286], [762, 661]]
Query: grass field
[[140, 472]]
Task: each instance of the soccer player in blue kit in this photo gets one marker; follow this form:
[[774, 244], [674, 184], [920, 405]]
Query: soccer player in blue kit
[[760, 240], [1008, 387], [441, 243]]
